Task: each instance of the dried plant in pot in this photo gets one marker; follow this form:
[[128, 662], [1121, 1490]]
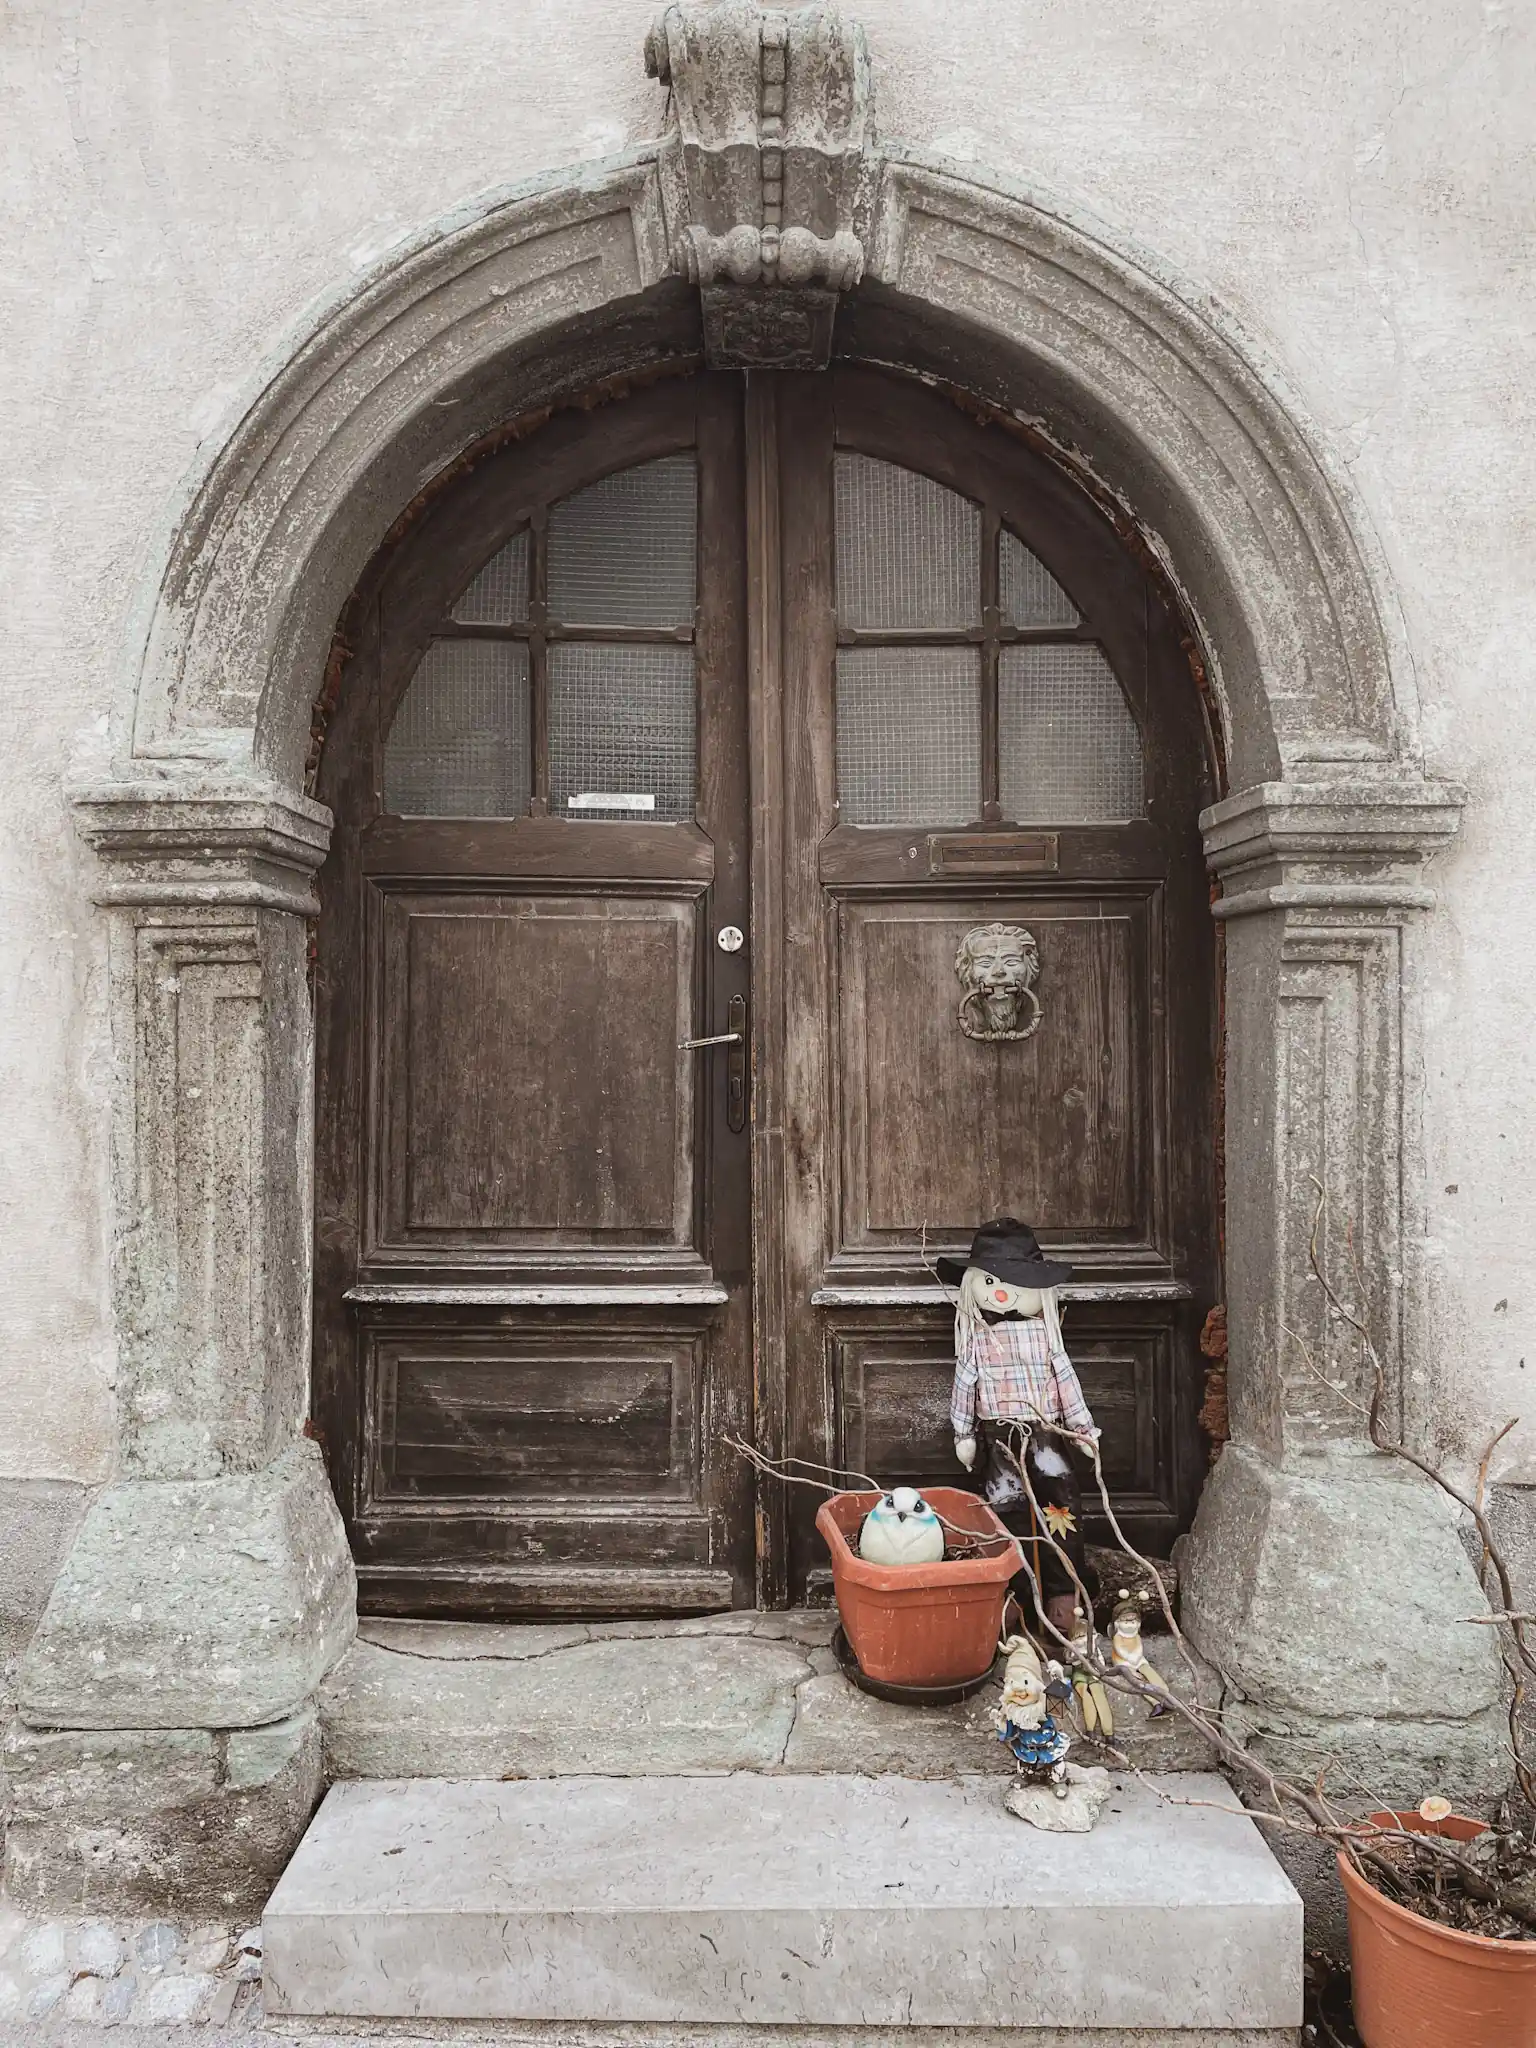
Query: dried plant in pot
[[1442, 1906]]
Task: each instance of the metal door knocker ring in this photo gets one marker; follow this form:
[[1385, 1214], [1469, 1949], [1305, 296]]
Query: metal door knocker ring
[[997, 966]]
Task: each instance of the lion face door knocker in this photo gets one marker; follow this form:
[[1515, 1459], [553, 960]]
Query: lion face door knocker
[[997, 966]]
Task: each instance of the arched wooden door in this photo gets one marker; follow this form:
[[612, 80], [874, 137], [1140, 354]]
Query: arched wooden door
[[726, 712]]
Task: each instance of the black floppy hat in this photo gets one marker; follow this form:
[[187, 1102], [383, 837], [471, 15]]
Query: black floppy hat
[[1010, 1249]]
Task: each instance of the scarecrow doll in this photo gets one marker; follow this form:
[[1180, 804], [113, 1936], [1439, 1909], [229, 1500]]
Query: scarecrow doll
[[1015, 1393]]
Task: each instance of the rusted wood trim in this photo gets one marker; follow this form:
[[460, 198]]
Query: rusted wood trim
[[853, 856], [620, 636], [537, 849], [398, 1294], [936, 1297], [551, 1589]]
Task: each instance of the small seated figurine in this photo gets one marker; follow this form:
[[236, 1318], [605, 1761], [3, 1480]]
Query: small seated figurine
[[1023, 1719], [1126, 1652], [1094, 1713], [1015, 1392]]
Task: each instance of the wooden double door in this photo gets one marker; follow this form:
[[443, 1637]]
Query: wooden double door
[[819, 720]]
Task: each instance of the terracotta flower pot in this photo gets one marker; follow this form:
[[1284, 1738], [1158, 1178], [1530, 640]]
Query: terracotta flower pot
[[921, 1624], [1420, 1985]]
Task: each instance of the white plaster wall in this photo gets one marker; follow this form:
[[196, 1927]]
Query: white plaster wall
[[1356, 185]]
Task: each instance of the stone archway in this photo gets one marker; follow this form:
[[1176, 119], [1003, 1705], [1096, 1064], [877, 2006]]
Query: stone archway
[[210, 1588]]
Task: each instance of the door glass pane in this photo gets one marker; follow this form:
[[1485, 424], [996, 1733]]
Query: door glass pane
[[908, 551], [499, 594], [622, 552], [1070, 749], [621, 724], [908, 735], [459, 745], [1028, 593]]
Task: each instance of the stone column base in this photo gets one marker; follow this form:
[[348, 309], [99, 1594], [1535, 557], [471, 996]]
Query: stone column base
[[1332, 1591], [157, 1820], [166, 1755], [196, 1603]]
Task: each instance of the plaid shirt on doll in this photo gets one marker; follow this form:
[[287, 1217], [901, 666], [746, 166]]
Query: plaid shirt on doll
[[1007, 1372]]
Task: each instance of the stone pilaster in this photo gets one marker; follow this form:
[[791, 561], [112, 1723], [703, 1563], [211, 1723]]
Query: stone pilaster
[[1327, 1581], [210, 1587]]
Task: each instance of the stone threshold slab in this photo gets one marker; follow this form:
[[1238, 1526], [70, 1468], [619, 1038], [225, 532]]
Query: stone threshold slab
[[766, 1901], [732, 1692], [563, 2034]]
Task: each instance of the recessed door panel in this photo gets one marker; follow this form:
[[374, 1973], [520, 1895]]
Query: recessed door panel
[[594, 1414], [892, 1380], [943, 1128], [534, 1090]]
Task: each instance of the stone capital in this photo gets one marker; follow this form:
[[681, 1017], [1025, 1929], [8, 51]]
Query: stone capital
[[245, 846], [1358, 845]]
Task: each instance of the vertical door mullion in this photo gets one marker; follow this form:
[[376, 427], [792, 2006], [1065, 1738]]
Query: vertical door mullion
[[538, 661], [724, 1151], [765, 697], [991, 528]]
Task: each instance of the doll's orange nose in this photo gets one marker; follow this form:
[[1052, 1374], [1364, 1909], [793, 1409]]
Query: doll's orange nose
[[1001, 1294]]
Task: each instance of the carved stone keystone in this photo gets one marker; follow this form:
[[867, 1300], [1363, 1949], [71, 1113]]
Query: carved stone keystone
[[766, 171]]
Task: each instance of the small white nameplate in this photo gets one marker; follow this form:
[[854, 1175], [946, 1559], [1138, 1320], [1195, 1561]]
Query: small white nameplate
[[610, 800]]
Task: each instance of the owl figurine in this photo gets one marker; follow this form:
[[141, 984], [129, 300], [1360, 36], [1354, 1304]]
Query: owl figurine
[[1023, 1719], [901, 1528]]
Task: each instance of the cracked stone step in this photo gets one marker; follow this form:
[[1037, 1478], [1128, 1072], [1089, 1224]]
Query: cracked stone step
[[798, 1902], [727, 1692], [707, 1701]]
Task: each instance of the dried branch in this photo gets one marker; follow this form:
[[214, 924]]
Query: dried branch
[[1516, 1652]]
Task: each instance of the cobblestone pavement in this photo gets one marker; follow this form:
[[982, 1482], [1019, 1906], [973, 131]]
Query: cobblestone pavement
[[102, 1976]]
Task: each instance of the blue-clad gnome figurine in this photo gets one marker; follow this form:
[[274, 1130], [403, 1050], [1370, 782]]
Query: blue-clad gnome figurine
[[1023, 1719], [1015, 1402]]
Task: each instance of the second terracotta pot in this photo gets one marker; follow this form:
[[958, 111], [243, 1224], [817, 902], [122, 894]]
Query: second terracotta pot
[[1420, 1985]]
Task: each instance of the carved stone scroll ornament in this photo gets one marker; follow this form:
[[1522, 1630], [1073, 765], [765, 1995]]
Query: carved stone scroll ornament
[[998, 966], [766, 170]]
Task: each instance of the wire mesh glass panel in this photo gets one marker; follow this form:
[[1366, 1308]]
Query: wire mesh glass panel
[[459, 746], [1028, 593], [622, 727], [499, 594], [1070, 751], [908, 735], [908, 551], [623, 551]]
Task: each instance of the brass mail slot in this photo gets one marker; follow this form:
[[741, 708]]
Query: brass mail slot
[[991, 853]]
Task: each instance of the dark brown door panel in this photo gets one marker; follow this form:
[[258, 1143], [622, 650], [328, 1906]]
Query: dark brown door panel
[[891, 1383], [940, 1129], [532, 1091], [589, 1412]]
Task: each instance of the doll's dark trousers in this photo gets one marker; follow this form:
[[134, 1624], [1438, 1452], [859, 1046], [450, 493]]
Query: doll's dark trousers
[[1052, 1488]]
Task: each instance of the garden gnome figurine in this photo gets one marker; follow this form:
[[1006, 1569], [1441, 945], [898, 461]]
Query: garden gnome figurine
[[901, 1528], [1125, 1650], [1015, 1396], [1023, 1719]]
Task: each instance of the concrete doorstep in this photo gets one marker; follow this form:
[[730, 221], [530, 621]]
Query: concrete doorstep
[[776, 1907]]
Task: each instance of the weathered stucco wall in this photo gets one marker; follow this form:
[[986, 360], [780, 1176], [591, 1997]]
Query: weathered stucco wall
[[1357, 188]]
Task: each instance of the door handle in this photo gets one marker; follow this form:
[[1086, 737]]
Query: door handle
[[736, 1061]]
